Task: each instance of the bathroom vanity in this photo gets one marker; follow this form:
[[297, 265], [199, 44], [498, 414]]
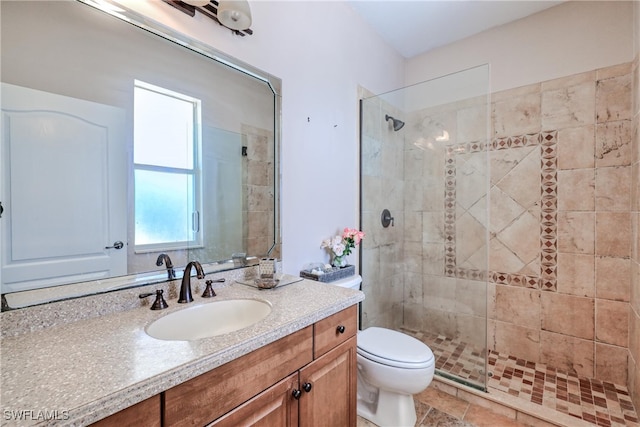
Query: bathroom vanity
[[295, 367], [307, 378]]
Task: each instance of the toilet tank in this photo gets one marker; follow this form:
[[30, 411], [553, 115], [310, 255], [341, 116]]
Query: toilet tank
[[352, 282]]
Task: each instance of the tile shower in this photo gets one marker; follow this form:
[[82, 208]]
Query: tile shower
[[515, 242]]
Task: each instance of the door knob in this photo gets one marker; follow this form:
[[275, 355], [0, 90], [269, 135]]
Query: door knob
[[307, 387], [116, 245], [340, 329], [296, 394]]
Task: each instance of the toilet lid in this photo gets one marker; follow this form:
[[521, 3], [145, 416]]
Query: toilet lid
[[393, 348]]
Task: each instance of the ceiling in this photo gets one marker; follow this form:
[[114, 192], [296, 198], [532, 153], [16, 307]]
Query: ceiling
[[414, 27]]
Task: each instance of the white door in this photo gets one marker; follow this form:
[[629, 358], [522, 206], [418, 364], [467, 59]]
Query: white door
[[63, 189]]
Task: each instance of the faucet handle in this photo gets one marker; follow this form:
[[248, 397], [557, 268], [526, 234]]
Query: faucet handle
[[159, 303], [209, 292]]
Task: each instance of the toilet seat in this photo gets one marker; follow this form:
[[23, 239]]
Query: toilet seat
[[395, 349]]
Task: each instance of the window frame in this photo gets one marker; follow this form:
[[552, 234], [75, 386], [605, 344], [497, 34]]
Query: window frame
[[195, 174]]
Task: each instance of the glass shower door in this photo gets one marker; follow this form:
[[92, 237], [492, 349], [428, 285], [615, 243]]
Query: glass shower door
[[424, 204]]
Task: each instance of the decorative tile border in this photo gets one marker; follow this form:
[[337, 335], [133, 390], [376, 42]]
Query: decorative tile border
[[547, 280], [549, 212]]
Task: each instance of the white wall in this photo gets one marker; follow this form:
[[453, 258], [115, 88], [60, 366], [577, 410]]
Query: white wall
[[567, 39], [322, 51]]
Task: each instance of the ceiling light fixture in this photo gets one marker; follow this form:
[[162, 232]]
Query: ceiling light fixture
[[234, 14]]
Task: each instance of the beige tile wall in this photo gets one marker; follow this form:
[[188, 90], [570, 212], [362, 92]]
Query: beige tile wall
[[432, 301], [383, 250], [258, 183], [583, 323], [558, 258], [634, 273]]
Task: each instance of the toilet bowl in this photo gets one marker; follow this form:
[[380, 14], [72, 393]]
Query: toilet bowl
[[392, 367]]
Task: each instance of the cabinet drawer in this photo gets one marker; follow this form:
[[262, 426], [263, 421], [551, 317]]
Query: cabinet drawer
[[211, 395], [145, 413], [274, 407], [334, 330]]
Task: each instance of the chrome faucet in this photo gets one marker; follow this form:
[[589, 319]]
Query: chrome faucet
[[185, 288], [171, 273]]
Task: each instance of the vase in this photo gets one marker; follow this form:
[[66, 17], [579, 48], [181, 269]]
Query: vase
[[339, 261]]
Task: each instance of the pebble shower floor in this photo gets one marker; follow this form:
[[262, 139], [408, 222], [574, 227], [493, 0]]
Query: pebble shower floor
[[598, 402]]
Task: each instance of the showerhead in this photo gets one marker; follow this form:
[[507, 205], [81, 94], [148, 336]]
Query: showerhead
[[397, 124]]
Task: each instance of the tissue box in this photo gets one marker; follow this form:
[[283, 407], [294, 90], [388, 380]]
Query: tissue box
[[330, 275]]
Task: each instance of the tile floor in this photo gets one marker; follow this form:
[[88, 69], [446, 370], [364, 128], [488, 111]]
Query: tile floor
[[436, 408], [598, 402]]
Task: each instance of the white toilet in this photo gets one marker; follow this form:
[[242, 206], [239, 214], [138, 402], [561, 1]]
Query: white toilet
[[392, 367]]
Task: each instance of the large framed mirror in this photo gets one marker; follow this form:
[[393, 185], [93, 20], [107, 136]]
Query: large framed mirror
[[125, 145]]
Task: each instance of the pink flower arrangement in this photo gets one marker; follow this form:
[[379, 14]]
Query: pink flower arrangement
[[342, 244]]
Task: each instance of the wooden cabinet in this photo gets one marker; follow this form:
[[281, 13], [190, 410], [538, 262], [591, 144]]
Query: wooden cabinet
[[146, 413], [305, 379], [213, 394], [333, 330], [274, 407], [323, 393], [331, 383]]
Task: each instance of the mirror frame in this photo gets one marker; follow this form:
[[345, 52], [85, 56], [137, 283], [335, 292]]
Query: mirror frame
[[27, 298]]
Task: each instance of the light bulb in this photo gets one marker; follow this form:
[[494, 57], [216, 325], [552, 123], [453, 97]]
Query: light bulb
[[234, 14]]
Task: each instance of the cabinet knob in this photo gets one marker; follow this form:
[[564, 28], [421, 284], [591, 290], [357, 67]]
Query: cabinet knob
[[340, 329], [296, 394], [307, 387]]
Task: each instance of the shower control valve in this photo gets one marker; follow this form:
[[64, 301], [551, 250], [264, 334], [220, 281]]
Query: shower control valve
[[386, 218]]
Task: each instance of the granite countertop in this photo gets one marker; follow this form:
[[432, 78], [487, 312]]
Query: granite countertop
[[80, 372]]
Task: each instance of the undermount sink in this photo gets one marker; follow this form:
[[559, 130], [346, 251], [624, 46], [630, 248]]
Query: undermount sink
[[209, 320]]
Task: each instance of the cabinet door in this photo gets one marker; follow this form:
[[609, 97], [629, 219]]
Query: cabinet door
[[329, 388], [274, 407]]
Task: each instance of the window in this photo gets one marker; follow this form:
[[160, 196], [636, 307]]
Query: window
[[166, 163]]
